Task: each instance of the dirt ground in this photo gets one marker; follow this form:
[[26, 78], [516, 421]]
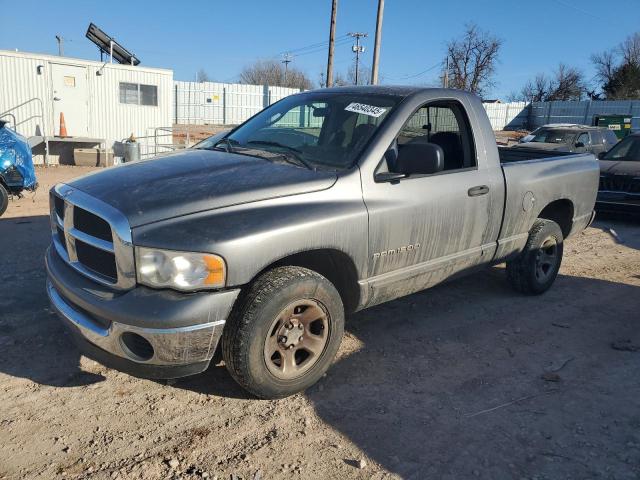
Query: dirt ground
[[467, 380]]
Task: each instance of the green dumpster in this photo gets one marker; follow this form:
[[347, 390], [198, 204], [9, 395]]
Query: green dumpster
[[620, 124]]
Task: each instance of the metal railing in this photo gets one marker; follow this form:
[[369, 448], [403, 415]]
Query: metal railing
[[11, 113], [154, 143]]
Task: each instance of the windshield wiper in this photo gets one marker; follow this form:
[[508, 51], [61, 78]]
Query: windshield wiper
[[227, 143], [293, 152]]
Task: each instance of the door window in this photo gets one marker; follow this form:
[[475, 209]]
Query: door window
[[444, 124], [583, 138]]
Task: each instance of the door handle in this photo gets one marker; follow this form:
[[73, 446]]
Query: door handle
[[477, 191]]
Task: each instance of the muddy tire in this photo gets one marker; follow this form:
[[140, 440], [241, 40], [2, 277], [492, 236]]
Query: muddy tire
[[284, 332], [4, 199], [535, 270]]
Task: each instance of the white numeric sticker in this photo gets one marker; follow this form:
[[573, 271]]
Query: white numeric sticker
[[365, 109]]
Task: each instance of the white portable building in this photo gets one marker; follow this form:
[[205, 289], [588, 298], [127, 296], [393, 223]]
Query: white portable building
[[101, 102]]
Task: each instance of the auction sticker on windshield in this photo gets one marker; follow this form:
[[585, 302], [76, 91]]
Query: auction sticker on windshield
[[365, 109]]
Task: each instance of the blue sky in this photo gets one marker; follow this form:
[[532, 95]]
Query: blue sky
[[222, 36]]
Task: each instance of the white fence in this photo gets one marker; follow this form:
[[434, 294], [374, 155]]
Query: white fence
[[501, 115], [215, 103], [520, 115]]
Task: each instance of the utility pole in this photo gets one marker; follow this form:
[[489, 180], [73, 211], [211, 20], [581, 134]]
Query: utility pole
[[60, 45], [445, 74], [287, 59], [332, 39], [376, 45], [357, 49]]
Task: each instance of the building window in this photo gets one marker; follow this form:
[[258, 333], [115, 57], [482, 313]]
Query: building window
[[137, 94]]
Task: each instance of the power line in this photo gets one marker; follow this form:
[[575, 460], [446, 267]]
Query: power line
[[407, 77], [344, 41], [314, 45], [578, 9]]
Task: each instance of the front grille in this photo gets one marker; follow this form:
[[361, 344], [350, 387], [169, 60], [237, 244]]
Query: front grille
[[91, 224], [92, 237], [58, 204], [99, 261], [620, 183], [61, 238]]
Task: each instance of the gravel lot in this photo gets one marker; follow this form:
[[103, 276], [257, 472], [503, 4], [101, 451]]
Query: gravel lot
[[467, 380]]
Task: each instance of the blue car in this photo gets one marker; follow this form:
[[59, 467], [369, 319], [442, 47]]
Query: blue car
[[16, 166]]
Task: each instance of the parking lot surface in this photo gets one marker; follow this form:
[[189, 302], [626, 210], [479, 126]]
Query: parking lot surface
[[468, 379]]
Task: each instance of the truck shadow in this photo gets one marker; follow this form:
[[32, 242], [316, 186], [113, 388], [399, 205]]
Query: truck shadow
[[418, 396]]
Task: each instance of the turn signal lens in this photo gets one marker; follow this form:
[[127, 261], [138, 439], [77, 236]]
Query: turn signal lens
[[216, 268]]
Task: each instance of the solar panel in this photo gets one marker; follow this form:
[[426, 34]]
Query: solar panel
[[104, 42]]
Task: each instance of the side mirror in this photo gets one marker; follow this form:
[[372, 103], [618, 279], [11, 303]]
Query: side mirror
[[579, 145], [420, 159], [601, 155]]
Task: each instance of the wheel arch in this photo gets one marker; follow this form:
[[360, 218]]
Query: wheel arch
[[335, 265], [561, 212]]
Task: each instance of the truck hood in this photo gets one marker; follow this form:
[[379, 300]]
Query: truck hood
[[557, 147], [196, 180]]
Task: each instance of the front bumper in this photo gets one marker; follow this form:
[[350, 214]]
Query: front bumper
[[145, 332]]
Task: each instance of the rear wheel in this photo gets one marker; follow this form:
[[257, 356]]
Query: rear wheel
[[4, 199], [535, 270], [285, 332]]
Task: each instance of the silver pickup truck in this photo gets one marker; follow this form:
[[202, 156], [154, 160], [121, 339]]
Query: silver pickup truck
[[324, 203]]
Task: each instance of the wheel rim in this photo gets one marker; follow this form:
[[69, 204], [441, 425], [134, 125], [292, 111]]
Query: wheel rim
[[296, 339], [546, 259]]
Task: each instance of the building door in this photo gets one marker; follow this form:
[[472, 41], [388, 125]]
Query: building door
[[70, 97]]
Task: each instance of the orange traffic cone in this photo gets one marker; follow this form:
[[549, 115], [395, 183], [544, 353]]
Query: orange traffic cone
[[63, 126]]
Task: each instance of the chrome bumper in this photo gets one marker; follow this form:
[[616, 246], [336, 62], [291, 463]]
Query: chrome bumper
[[171, 346]]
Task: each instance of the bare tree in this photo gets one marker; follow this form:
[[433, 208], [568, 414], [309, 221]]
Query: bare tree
[[364, 74], [618, 69], [272, 72], [202, 76], [536, 90], [473, 59], [605, 64], [567, 83], [629, 49], [339, 80]]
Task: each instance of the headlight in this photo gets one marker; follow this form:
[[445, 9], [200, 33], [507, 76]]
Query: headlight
[[179, 270]]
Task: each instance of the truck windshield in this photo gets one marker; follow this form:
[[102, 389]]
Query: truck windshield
[[320, 130], [554, 136], [627, 150]]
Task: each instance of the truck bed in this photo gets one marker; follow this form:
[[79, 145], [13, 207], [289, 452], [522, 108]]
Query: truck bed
[[508, 154]]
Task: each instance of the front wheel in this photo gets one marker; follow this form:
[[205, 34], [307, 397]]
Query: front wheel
[[284, 333], [535, 270]]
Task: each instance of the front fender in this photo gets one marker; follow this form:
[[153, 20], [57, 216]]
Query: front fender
[[251, 237]]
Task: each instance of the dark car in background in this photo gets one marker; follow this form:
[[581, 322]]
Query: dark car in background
[[571, 138], [619, 189]]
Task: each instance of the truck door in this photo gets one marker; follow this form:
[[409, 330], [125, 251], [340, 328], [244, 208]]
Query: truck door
[[425, 228]]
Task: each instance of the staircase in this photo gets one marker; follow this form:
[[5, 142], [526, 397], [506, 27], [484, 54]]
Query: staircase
[[11, 116]]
